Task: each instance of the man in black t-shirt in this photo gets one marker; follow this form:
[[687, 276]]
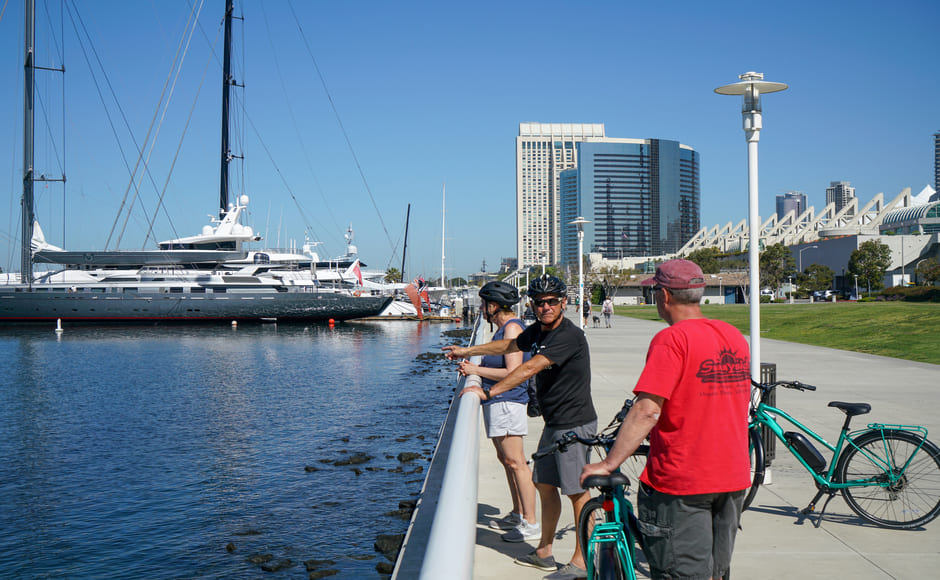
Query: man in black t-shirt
[[561, 359]]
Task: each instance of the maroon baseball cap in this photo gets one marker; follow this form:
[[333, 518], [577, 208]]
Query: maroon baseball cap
[[677, 275]]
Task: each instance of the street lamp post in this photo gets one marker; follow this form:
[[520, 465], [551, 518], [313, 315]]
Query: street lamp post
[[750, 87], [579, 222], [916, 266], [720, 293], [856, 286], [801, 256]]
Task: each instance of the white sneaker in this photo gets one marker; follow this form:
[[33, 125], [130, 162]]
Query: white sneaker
[[507, 522], [522, 532]]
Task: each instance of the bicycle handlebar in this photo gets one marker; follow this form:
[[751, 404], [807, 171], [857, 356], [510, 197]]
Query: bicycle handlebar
[[786, 384], [569, 439]]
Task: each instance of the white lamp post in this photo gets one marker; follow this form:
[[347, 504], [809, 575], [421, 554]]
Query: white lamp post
[[751, 86], [801, 256], [579, 222]]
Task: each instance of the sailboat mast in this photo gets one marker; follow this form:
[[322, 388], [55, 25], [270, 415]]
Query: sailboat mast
[[226, 89], [443, 205], [404, 250], [29, 86]]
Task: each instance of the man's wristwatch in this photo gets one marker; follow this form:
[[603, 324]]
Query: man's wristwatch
[[486, 391]]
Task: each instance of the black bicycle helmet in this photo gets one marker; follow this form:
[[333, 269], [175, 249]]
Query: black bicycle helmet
[[500, 293], [546, 284]]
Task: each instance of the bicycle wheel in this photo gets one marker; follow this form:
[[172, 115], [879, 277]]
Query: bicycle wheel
[[913, 500], [607, 565], [591, 514], [756, 452]]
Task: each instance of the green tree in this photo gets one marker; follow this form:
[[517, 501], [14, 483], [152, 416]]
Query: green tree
[[393, 275], [928, 271], [870, 262], [776, 263], [815, 277], [707, 259]]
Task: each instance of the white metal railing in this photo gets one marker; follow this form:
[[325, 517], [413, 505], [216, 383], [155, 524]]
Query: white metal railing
[[449, 553], [441, 539]]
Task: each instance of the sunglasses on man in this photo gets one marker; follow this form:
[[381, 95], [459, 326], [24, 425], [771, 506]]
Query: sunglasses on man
[[549, 301]]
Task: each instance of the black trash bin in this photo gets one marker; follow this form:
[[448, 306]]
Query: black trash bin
[[768, 374]]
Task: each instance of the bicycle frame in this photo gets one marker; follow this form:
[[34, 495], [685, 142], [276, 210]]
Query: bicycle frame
[[616, 531], [766, 415]]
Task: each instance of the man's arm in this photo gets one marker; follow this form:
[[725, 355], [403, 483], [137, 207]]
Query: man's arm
[[640, 421], [504, 346], [519, 375]]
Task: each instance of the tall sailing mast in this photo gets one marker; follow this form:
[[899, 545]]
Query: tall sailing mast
[[227, 83], [29, 86], [443, 204]]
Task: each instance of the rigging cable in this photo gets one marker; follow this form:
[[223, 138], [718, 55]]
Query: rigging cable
[[189, 118], [178, 60], [139, 150], [343, 129], [295, 124]]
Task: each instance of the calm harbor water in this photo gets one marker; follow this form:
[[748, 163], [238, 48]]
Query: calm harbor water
[[185, 452]]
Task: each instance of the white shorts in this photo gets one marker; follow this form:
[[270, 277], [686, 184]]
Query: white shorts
[[505, 418]]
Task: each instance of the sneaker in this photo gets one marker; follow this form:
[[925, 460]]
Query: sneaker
[[532, 560], [567, 572], [507, 522], [522, 532]]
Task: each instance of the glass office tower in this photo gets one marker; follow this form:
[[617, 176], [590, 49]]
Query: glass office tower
[[642, 196]]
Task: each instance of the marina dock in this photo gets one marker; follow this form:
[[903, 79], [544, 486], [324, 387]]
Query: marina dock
[[774, 542]]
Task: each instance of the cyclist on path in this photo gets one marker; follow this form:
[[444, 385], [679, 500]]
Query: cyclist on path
[[561, 359], [692, 401], [504, 415]]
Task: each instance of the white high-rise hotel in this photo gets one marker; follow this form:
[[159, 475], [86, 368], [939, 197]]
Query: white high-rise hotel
[[543, 151]]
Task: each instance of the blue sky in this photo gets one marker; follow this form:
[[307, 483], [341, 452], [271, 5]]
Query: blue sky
[[432, 92]]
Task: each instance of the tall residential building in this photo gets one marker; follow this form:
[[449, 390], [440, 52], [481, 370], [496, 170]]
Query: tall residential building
[[936, 167], [642, 197], [839, 193], [543, 151], [791, 200]]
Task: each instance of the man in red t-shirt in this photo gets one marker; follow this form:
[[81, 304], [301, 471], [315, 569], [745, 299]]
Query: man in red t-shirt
[[692, 402]]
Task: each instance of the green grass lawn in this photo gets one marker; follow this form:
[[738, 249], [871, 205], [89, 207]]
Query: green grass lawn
[[906, 330]]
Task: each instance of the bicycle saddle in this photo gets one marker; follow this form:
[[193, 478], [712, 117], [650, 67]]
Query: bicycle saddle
[[602, 481], [851, 409]]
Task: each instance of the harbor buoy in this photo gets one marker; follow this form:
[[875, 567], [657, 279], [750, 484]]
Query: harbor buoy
[[58, 326], [234, 323], [332, 323]]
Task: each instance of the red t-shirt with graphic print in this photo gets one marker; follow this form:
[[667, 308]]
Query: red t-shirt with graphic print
[[700, 443]]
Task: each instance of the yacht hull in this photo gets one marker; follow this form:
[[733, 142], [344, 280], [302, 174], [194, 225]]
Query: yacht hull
[[23, 305]]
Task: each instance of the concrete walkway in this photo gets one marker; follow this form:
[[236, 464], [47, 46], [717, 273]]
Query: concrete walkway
[[774, 542]]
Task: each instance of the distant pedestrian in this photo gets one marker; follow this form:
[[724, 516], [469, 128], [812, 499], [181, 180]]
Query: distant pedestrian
[[586, 312], [607, 309]]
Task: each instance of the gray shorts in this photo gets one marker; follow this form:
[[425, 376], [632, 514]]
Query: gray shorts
[[505, 418], [688, 536], [563, 469]]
